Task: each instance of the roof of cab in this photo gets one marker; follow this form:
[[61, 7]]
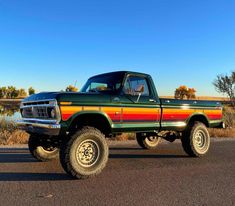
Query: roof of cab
[[121, 73]]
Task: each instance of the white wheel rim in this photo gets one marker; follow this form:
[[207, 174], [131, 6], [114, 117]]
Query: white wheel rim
[[201, 141], [87, 153], [152, 141], [46, 150]]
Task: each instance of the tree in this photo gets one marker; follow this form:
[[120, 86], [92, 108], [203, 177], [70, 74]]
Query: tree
[[3, 92], [184, 92], [31, 90], [22, 93], [225, 84], [11, 92], [71, 88], [191, 93]]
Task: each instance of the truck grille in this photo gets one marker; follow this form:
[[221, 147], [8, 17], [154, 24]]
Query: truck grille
[[35, 112], [38, 110]]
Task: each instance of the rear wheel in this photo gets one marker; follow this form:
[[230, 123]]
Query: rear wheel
[[85, 154], [147, 142], [196, 140], [42, 149]]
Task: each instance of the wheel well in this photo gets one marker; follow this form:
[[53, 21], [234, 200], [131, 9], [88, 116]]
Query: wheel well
[[93, 120], [199, 118]]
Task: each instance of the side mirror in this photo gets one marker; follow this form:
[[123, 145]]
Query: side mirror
[[139, 88]]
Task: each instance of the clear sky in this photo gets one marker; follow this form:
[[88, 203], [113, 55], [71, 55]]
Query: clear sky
[[49, 44]]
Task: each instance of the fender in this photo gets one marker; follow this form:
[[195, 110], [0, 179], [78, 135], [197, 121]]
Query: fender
[[80, 114], [200, 116]]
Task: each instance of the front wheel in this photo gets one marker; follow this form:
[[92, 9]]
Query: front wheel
[[41, 149], [147, 142], [196, 140], [85, 154]]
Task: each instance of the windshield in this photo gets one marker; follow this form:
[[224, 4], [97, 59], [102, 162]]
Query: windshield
[[104, 83]]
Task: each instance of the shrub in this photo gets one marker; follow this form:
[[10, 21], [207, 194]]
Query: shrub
[[229, 116], [10, 134]]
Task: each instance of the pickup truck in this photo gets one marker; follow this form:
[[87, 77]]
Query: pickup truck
[[74, 126]]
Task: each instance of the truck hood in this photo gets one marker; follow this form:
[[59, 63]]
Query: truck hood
[[74, 97]]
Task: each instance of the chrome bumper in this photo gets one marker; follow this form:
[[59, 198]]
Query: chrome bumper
[[47, 127]]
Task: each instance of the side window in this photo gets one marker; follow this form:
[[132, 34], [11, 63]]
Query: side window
[[135, 85]]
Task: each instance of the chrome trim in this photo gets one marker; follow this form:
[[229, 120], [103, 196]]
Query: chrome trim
[[37, 105], [43, 100], [173, 124], [41, 121], [49, 124]]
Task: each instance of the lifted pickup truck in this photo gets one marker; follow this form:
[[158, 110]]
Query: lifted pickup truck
[[74, 126]]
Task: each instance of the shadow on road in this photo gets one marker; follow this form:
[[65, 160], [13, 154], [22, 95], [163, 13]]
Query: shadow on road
[[125, 148], [5, 176], [147, 156], [15, 156]]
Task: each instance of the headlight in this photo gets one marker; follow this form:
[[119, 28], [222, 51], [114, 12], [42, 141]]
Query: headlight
[[53, 113]]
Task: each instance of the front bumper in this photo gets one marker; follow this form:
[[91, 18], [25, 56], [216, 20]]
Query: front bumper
[[47, 127]]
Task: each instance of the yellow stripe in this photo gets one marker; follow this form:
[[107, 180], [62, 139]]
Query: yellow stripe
[[70, 109], [91, 108], [65, 103]]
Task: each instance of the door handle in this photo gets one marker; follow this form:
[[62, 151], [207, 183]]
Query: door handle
[[116, 99], [152, 100]]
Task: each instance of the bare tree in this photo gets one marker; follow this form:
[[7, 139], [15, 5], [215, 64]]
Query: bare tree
[[225, 84]]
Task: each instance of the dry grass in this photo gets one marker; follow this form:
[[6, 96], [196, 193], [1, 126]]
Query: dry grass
[[10, 134], [125, 136], [229, 132]]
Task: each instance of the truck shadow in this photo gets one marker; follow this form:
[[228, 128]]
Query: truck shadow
[[15, 155], [141, 153], [146, 156], [8, 176], [18, 156]]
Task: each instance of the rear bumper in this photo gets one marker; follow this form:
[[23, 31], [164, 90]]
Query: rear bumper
[[47, 127]]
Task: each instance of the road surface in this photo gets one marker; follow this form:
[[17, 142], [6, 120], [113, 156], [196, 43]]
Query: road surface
[[133, 176]]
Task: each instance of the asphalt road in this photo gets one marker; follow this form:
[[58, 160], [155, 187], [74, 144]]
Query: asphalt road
[[132, 177]]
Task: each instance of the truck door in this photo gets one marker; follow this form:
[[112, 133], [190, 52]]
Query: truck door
[[139, 106]]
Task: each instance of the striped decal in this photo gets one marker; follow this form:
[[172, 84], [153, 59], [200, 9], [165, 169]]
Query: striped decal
[[214, 114], [141, 114], [176, 114], [68, 111], [114, 113], [138, 115]]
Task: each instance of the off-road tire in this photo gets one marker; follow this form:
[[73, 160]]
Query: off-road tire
[[196, 140], [85, 153], [39, 152], [147, 142]]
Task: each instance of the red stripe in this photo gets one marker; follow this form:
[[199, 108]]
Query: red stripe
[[141, 117], [215, 116], [175, 116], [66, 116]]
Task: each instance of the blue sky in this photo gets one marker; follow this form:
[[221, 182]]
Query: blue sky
[[50, 44]]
